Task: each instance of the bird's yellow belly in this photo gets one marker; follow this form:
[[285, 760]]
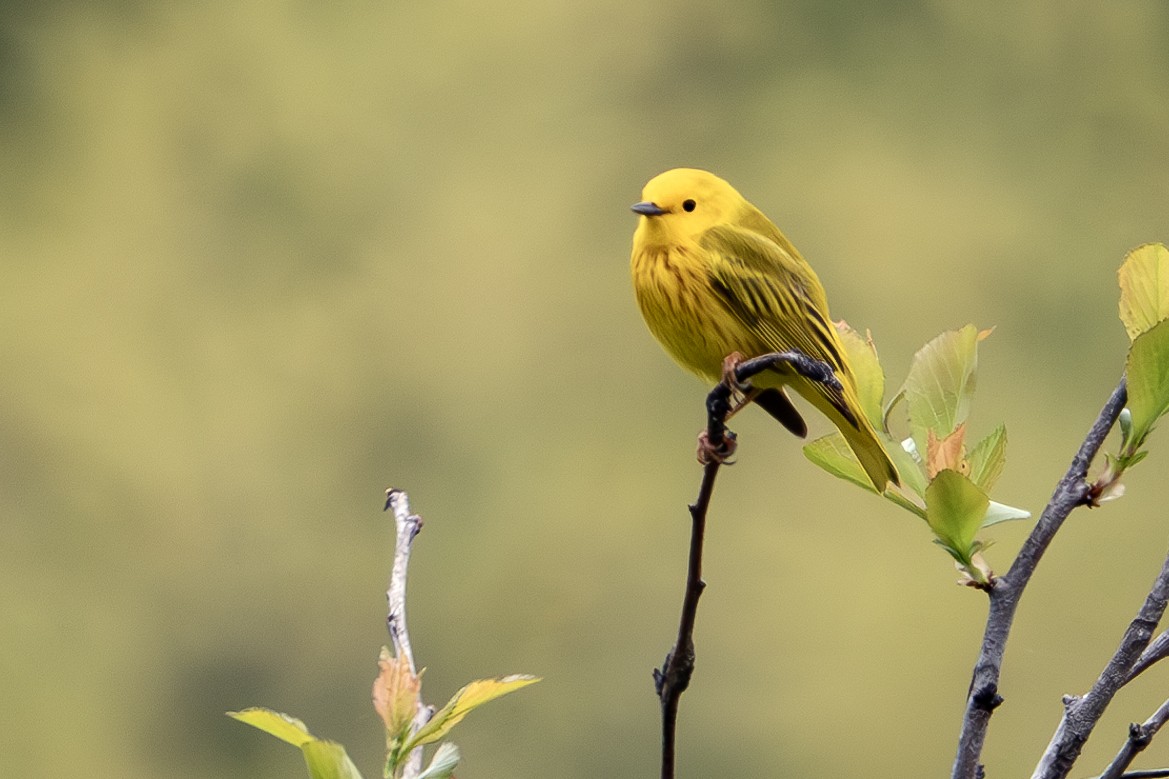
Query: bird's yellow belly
[[685, 315]]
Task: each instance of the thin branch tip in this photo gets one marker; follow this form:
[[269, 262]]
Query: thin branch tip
[[715, 446], [406, 526]]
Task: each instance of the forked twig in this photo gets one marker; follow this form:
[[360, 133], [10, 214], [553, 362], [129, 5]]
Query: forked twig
[[1139, 737], [1072, 491], [1081, 714]]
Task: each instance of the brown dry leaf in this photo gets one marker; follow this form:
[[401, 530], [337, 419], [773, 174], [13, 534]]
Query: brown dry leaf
[[946, 453], [395, 693]]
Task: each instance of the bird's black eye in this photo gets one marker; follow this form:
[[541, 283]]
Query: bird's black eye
[[688, 205]]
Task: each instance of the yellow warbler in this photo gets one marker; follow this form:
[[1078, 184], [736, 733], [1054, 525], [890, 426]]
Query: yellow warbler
[[714, 276]]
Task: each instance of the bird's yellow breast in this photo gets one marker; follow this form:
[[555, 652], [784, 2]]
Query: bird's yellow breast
[[681, 309]]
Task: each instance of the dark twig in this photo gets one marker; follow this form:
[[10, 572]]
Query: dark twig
[[672, 679], [1081, 714], [1072, 491], [1155, 652], [1139, 737]]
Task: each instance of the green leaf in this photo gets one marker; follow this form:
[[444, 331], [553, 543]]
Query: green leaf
[[1144, 288], [866, 369], [833, 454], [281, 726], [328, 760], [987, 459], [1125, 421], [465, 700], [1000, 512], [325, 759], [940, 384], [1148, 383], [908, 466], [954, 508], [890, 407], [443, 764]]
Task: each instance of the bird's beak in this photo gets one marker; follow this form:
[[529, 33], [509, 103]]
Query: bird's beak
[[646, 208]]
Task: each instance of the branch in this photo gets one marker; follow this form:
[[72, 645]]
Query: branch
[[1139, 737], [1081, 714], [408, 526], [1155, 652], [672, 679], [1072, 491]]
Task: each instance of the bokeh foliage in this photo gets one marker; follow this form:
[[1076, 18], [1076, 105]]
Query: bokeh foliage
[[262, 260]]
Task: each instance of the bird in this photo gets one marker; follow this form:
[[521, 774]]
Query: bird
[[717, 282]]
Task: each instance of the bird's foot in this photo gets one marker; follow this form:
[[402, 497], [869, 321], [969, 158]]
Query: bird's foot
[[709, 453], [741, 393], [730, 363]]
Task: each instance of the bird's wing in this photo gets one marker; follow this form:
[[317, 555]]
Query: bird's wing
[[776, 297]]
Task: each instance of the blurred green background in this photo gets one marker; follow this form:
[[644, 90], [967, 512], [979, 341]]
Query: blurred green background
[[262, 260]]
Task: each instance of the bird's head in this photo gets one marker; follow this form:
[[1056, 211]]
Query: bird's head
[[683, 203]]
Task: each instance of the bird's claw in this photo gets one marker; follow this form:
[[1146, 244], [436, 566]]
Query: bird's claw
[[730, 364], [709, 453]]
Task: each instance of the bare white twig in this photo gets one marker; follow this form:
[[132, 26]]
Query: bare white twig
[[408, 525]]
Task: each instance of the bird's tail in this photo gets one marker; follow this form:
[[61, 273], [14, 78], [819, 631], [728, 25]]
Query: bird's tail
[[867, 447], [844, 411]]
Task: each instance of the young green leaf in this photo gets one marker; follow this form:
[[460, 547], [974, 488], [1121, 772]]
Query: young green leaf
[[833, 454], [281, 726], [987, 459], [908, 467], [443, 764], [866, 369], [1147, 374], [1144, 288], [940, 384], [325, 759], [465, 700], [954, 509], [328, 760], [1000, 512]]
